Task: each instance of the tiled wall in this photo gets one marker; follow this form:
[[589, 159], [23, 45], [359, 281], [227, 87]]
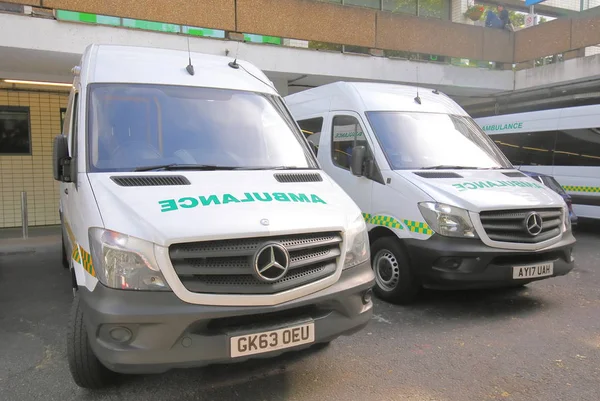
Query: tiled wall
[[33, 173]]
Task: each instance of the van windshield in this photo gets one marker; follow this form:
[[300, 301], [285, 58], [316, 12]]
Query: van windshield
[[134, 127], [433, 140]]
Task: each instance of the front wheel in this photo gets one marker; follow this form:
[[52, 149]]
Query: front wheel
[[395, 281], [87, 371]]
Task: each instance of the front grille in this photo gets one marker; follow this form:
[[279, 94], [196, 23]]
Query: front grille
[[225, 266], [510, 225]]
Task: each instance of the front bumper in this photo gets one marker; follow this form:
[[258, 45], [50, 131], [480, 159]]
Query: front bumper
[[481, 266], [169, 333]]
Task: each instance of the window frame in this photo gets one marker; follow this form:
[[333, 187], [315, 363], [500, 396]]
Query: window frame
[[276, 101], [27, 110], [318, 117], [331, 133]]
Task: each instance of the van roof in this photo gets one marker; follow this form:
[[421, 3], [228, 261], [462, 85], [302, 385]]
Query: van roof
[[146, 65], [367, 96]]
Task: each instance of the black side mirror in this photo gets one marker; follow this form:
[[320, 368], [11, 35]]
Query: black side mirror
[[357, 160], [60, 159]]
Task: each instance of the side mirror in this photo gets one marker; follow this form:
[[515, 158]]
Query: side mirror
[[60, 159], [357, 160]]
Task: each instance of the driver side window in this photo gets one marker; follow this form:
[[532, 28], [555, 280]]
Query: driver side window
[[346, 134]]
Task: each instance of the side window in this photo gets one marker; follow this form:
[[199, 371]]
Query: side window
[[527, 149], [311, 128], [346, 134], [74, 125], [580, 147]]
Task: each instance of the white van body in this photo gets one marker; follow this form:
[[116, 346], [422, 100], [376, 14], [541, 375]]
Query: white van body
[[563, 143], [444, 207], [197, 223]]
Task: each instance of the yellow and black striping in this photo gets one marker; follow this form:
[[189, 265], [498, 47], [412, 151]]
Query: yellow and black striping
[[388, 221]]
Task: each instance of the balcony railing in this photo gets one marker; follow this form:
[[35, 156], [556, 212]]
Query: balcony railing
[[332, 27]]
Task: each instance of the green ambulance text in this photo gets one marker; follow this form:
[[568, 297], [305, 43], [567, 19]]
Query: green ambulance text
[[491, 184], [169, 205], [502, 127]]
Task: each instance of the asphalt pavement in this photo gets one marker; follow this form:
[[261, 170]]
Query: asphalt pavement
[[541, 342]]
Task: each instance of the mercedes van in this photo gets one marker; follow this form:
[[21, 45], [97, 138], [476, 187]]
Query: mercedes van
[[444, 207], [197, 224]]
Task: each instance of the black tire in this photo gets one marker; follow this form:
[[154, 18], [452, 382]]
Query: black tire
[[395, 280], [87, 371], [65, 259]]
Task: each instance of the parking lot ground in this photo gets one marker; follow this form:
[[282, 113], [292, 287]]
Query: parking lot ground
[[541, 342]]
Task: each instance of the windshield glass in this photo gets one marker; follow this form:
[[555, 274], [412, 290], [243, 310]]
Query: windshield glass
[[430, 140], [135, 126]]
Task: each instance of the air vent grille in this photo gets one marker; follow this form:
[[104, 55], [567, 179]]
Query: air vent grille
[[299, 177], [150, 181], [514, 174], [438, 174]]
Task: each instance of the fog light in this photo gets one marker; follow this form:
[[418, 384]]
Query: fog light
[[120, 334], [367, 296], [449, 263]]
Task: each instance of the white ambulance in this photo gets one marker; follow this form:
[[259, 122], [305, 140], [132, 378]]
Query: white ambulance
[[197, 223], [444, 207]]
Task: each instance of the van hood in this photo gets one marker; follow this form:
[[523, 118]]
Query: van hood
[[478, 190], [220, 204]]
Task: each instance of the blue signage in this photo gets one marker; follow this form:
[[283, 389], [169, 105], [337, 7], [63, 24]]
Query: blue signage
[[532, 2]]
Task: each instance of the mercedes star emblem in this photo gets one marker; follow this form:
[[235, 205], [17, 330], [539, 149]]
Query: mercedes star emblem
[[271, 262], [264, 222], [533, 223]]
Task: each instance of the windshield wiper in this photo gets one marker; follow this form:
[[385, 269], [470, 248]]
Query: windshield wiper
[[450, 167], [207, 167], [173, 167]]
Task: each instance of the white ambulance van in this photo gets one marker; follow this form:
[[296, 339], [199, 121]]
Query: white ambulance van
[[197, 223], [444, 207]]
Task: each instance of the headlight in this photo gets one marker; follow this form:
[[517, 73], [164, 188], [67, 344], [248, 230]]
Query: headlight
[[448, 220], [125, 262], [357, 243]]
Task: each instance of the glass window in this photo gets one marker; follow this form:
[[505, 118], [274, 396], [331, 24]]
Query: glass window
[[527, 149], [311, 129], [428, 140], [579, 147], [132, 126], [434, 9], [63, 113], [346, 134], [551, 183], [364, 3], [400, 6], [15, 137]]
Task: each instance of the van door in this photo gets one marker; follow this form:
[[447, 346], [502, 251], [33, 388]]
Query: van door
[[344, 131], [68, 190]]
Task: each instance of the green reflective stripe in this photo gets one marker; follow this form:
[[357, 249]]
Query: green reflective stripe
[[203, 32], [151, 25], [248, 37], [418, 227], [63, 15], [579, 188], [388, 221], [76, 256], [385, 221]]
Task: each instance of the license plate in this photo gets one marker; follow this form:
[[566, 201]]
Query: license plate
[[258, 343], [533, 271]]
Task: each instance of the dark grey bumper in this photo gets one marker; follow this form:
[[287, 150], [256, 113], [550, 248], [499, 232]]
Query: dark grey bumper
[[169, 333], [480, 265]]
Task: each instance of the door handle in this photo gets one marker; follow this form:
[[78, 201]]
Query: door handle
[[66, 191]]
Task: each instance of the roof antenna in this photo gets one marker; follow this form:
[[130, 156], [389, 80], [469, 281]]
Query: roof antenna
[[190, 67], [418, 99], [233, 64]]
